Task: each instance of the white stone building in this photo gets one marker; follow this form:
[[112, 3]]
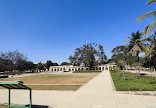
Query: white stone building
[[70, 68]]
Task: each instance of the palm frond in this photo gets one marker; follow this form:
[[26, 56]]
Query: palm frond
[[128, 40], [143, 48], [151, 1], [150, 14], [150, 28], [135, 50], [151, 49]]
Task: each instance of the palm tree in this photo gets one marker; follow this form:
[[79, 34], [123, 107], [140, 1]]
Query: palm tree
[[151, 27], [136, 45], [152, 50]]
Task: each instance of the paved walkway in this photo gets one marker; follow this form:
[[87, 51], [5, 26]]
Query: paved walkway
[[97, 93]]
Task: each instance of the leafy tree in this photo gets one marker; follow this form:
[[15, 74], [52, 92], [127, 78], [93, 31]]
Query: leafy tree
[[55, 64], [146, 62], [11, 59], [88, 54], [48, 64], [65, 63], [151, 27], [136, 45], [40, 66], [102, 57], [120, 53], [24, 65]]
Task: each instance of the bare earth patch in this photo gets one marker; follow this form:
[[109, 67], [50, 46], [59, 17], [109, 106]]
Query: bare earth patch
[[75, 78]]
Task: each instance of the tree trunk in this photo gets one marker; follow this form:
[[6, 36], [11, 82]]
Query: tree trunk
[[139, 67], [154, 65], [118, 72], [124, 75]]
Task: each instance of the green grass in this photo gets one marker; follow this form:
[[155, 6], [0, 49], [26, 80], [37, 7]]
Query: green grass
[[87, 71], [131, 83]]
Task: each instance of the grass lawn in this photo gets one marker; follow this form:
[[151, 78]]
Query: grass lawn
[[144, 83], [76, 78]]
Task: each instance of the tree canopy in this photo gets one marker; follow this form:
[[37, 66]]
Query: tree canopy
[[89, 55]]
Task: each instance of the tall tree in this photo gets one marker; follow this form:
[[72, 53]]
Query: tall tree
[[40, 66], [88, 55], [102, 56], [151, 27], [48, 64], [55, 64], [152, 50], [136, 45], [120, 53], [65, 63], [11, 59]]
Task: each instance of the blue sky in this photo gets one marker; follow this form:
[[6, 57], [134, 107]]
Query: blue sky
[[52, 29]]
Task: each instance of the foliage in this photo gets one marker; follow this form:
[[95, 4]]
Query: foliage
[[55, 64], [48, 64], [121, 64], [144, 83], [152, 51], [120, 53], [151, 27], [102, 57], [136, 44], [24, 65], [11, 61], [89, 55], [146, 62], [65, 63], [40, 66]]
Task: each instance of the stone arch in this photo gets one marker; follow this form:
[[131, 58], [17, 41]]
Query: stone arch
[[99, 68], [60, 69], [96, 68], [93, 68], [106, 68]]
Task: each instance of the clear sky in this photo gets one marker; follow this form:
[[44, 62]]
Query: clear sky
[[52, 29]]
